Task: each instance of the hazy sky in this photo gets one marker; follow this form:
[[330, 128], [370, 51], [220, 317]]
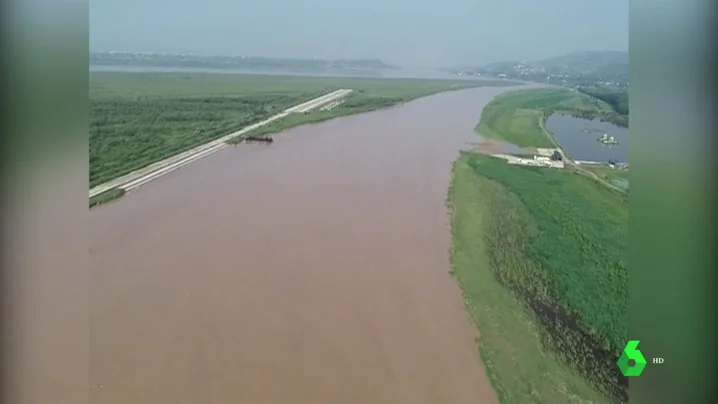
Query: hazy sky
[[404, 32]]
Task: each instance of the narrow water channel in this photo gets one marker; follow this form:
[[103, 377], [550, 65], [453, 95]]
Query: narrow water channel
[[311, 270]]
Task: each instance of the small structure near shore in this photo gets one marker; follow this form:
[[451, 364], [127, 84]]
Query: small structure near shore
[[546, 152], [259, 138], [608, 140], [537, 161]]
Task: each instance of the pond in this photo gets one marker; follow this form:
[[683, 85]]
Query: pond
[[579, 138]]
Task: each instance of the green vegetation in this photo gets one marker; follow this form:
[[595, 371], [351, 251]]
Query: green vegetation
[[617, 98], [107, 196], [541, 257], [518, 117], [137, 119], [616, 176]]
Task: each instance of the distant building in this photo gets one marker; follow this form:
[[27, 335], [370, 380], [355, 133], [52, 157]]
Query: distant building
[[538, 161]]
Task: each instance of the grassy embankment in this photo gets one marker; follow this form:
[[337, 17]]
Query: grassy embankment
[[541, 257], [137, 119], [107, 196]]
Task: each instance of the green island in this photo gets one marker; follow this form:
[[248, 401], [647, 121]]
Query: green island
[[137, 119], [541, 257]]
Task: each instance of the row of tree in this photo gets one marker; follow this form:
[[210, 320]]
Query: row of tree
[[617, 98]]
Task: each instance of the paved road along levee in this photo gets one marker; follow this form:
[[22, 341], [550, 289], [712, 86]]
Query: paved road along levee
[[144, 175]]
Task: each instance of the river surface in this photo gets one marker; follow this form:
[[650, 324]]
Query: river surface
[[311, 270], [578, 138]]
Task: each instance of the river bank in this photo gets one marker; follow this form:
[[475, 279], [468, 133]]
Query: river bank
[[541, 255]]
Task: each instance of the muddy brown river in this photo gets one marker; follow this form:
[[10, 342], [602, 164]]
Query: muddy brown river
[[311, 270]]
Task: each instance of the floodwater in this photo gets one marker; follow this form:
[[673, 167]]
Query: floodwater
[[311, 270], [578, 138]]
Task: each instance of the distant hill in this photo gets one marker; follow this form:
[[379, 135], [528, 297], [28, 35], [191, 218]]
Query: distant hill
[[612, 65], [599, 74], [588, 61], [232, 62], [578, 68]]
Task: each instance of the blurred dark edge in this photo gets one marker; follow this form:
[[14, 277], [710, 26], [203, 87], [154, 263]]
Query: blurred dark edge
[[673, 278], [43, 184]]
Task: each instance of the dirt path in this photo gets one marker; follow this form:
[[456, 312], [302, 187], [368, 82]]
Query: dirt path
[[312, 270]]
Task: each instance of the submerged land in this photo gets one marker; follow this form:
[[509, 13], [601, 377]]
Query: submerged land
[[541, 255]]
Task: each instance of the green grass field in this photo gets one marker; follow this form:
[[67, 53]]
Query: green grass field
[[137, 119], [608, 172], [541, 256], [517, 117], [617, 177]]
